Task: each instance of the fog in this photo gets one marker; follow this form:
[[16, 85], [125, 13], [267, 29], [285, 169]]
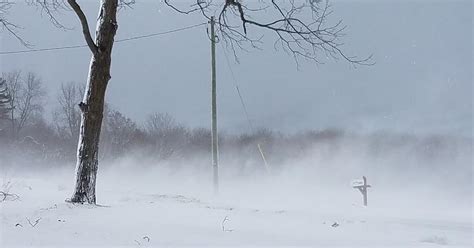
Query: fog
[[421, 194], [410, 176]]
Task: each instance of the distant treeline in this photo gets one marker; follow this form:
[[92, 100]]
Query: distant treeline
[[26, 135]]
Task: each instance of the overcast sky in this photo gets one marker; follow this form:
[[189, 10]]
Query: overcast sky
[[421, 83]]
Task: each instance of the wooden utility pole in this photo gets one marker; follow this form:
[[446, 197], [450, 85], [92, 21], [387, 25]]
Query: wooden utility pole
[[214, 144]]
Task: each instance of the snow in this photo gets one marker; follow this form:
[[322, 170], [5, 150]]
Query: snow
[[162, 207], [357, 182]]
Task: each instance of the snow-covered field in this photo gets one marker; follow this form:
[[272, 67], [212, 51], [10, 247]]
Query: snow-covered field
[[161, 207]]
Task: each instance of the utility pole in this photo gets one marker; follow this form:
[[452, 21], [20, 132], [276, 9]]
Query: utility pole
[[214, 144]]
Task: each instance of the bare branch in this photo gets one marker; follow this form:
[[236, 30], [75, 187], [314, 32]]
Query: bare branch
[[126, 4], [193, 8], [50, 7], [11, 28], [224, 229], [300, 26], [33, 224], [85, 26], [4, 196]]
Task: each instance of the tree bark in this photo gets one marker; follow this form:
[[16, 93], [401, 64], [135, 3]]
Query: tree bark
[[92, 106]]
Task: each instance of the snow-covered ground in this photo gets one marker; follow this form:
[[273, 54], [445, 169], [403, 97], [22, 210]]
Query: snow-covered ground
[[158, 207]]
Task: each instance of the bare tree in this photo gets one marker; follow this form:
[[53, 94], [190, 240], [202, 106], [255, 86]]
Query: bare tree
[[168, 136], [300, 27], [13, 81], [5, 100], [30, 101], [26, 98], [160, 123], [92, 105], [119, 132], [68, 115]]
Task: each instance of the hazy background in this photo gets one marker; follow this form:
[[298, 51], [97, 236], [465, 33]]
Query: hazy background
[[422, 82]]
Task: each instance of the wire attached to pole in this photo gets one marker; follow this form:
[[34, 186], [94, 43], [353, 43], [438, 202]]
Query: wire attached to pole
[[244, 107], [116, 41]]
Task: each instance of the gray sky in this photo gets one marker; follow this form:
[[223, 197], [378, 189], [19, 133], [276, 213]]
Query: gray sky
[[422, 82]]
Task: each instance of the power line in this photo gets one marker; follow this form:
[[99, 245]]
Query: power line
[[42, 49], [116, 41], [244, 107], [161, 33]]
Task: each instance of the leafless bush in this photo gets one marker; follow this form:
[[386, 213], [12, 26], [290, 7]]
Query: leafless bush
[[5, 195], [166, 135]]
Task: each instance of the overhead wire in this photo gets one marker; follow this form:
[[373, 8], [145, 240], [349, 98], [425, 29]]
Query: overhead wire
[[234, 81], [244, 107], [116, 41]]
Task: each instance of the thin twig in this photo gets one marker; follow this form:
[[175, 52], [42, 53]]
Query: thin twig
[[301, 27], [33, 224], [4, 196], [223, 225]]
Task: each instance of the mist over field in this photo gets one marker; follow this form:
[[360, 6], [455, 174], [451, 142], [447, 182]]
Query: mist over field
[[421, 194]]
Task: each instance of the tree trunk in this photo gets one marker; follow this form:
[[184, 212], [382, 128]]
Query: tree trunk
[[92, 106]]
